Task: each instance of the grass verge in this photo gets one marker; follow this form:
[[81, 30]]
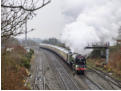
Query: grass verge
[[14, 66]]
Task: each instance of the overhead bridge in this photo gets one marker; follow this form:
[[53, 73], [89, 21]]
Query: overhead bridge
[[99, 46]]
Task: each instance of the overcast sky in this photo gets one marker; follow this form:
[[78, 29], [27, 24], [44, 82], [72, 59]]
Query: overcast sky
[[78, 22], [49, 21]]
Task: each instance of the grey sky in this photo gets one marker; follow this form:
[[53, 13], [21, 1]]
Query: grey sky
[[49, 21], [78, 22], [52, 19]]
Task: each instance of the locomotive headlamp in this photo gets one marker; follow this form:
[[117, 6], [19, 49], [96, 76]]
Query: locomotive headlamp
[[77, 66]]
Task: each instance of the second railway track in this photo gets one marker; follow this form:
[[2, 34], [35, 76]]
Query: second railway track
[[107, 78]]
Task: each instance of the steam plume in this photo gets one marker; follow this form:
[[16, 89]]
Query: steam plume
[[98, 21]]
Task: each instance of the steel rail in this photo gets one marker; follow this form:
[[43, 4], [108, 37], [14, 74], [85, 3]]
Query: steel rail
[[64, 76]]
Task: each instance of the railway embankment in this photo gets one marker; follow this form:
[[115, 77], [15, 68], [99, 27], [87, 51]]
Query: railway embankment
[[113, 68], [15, 66]]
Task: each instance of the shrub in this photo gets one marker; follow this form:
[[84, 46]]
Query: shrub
[[27, 64], [26, 59]]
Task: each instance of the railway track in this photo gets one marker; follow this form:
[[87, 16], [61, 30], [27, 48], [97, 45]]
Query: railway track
[[93, 84], [56, 73], [35, 86], [62, 73], [64, 76], [107, 78], [39, 78], [43, 76], [66, 81]]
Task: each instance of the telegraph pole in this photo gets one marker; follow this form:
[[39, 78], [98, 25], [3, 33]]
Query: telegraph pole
[[26, 32], [107, 55]]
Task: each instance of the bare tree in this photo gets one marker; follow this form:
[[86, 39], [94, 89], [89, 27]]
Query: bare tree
[[14, 14]]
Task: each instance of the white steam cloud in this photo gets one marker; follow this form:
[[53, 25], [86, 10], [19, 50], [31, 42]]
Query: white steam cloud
[[97, 21]]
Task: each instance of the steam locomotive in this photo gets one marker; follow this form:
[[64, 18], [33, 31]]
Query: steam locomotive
[[75, 60], [78, 62]]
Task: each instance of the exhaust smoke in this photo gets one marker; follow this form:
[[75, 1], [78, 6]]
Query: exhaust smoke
[[97, 21]]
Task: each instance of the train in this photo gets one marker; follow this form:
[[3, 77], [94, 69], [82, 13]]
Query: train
[[75, 60]]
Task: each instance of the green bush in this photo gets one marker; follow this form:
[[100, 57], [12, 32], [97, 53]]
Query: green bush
[[29, 54], [27, 64], [26, 59]]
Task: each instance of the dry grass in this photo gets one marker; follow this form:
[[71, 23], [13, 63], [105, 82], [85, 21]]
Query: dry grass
[[13, 73], [114, 64], [115, 61]]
